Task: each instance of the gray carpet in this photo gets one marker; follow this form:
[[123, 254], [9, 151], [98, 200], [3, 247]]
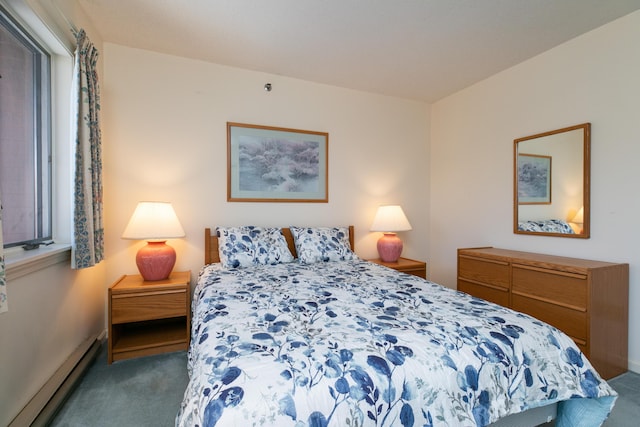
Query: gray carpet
[[626, 413], [147, 392], [140, 392]]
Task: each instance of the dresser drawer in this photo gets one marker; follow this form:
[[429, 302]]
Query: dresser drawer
[[491, 272], [571, 322], [134, 307], [494, 294], [565, 289]]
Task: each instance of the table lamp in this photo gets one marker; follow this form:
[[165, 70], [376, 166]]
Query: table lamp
[[154, 222], [390, 219], [578, 219]]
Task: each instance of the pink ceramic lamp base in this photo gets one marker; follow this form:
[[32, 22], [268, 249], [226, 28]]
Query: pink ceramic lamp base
[[389, 247], [155, 261]]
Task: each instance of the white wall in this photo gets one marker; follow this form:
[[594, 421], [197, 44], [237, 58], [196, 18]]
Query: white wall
[[165, 139], [593, 78], [51, 312]]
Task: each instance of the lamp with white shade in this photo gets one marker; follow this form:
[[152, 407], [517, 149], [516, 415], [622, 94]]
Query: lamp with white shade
[[578, 220], [155, 222], [579, 217], [390, 219]]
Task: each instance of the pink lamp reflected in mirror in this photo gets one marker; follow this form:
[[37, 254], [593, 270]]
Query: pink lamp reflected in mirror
[[390, 219], [155, 222]]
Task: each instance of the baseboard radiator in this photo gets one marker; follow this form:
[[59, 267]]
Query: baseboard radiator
[[43, 406]]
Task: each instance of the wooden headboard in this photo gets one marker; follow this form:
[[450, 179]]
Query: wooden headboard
[[211, 254]]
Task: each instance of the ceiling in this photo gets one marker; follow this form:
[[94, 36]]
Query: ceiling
[[416, 49]]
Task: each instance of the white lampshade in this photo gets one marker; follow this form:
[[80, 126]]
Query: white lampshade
[[579, 217], [390, 218], [153, 220]]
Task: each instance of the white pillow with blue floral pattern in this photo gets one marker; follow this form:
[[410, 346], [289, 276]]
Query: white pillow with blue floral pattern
[[322, 244], [248, 245]]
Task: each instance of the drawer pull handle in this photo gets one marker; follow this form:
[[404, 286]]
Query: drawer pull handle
[[146, 294], [486, 285], [548, 271], [492, 261]]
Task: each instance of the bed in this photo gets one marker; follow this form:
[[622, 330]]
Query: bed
[[319, 337], [546, 226]]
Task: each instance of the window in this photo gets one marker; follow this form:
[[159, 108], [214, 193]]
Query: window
[[25, 135]]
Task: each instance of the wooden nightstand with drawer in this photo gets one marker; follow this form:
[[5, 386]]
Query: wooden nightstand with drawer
[[149, 317], [405, 265]]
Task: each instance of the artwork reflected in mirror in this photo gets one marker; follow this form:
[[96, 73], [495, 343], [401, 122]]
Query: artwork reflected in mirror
[[551, 183], [534, 179]]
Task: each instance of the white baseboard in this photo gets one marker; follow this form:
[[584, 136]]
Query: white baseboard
[[46, 401], [634, 366]]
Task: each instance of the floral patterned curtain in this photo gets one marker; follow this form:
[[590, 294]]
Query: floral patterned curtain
[[3, 281], [88, 230]]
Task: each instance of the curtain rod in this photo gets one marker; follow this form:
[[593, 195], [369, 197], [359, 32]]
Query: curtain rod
[[71, 25]]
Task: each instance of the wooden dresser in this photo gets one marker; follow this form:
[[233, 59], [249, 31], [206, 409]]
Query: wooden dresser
[[587, 300]]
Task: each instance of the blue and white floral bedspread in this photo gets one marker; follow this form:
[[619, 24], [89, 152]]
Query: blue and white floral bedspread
[[351, 343]]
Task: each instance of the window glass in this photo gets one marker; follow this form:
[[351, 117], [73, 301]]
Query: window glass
[[25, 143]]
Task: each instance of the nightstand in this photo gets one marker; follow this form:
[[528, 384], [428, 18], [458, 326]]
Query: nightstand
[[149, 317], [405, 265]]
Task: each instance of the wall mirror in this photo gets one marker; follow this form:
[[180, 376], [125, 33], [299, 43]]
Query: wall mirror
[[552, 175]]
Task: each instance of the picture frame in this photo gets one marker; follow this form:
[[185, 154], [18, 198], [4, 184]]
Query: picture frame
[[534, 179], [275, 164]]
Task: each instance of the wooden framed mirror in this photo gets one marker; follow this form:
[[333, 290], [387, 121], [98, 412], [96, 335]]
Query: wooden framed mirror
[[552, 174]]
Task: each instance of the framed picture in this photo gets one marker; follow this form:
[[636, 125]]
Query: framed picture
[[534, 179], [271, 164]]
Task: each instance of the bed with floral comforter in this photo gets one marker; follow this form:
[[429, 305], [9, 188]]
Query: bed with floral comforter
[[351, 343]]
